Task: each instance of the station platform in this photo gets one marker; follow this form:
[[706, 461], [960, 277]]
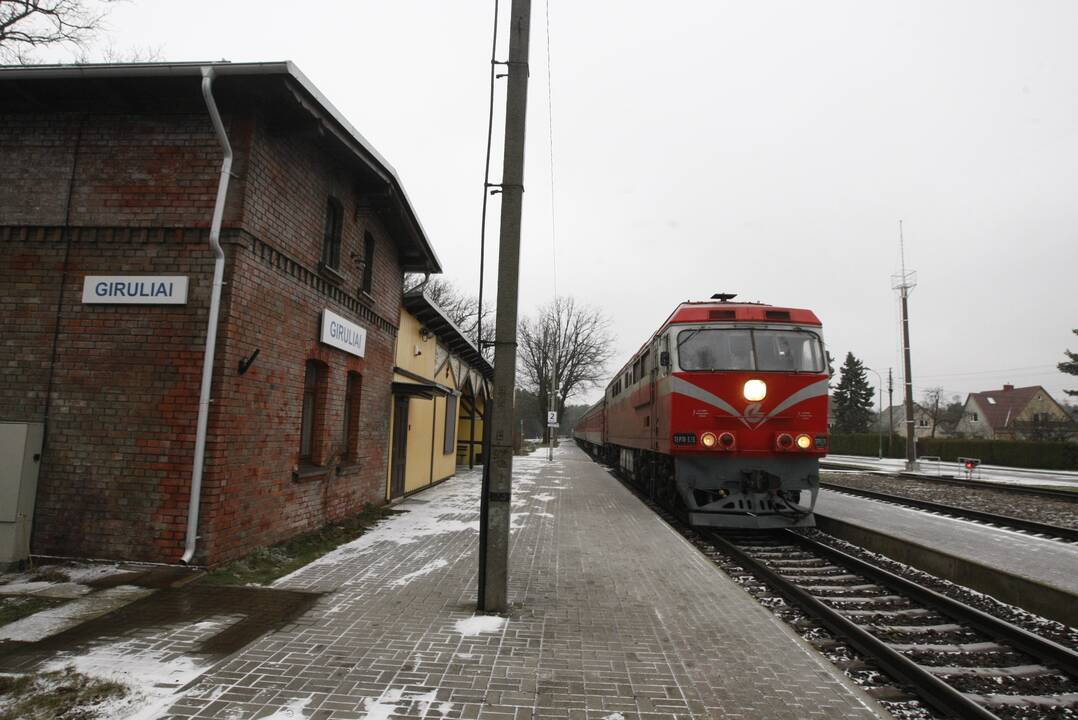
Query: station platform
[[614, 617], [1036, 573]]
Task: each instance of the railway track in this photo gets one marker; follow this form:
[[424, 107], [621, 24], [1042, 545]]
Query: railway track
[[1068, 495], [956, 658], [1029, 526]]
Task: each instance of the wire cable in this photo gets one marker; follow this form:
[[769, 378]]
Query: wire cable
[[550, 136], [486, 180], [553, 395]]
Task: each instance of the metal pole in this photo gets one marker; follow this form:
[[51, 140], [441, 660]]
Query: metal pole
[[890, 411], [494, 572], [471, 432], [879, 415], [911, 440], [552, 400]]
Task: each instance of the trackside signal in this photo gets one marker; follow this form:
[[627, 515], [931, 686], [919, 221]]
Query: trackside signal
[[969, 464]]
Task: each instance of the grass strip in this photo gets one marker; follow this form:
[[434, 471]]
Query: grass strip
[[57, 695], [16, 607], [266, 564]]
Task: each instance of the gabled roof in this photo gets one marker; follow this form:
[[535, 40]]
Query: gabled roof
[[280, 87], [434, 319], [1001, 407], [900, 412]]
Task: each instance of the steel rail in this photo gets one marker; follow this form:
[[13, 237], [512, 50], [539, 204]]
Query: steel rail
[[934, 691], [1056, 531], [1034, 645]]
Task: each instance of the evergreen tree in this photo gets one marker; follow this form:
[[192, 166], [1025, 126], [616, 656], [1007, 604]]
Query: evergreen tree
[[853, 398], [1071, 366]]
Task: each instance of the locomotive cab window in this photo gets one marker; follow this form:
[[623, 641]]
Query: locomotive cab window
[[704, 349], [787, 351], [701, 349]]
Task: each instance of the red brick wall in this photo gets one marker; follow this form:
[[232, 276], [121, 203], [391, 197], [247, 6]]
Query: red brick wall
[[114, 481], [116, 475]]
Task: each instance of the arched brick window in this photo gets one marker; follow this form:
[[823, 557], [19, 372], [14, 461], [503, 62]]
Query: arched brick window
[[352, 393], [314, 394]]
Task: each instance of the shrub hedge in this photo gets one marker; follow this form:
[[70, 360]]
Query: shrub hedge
[[1009, 453]]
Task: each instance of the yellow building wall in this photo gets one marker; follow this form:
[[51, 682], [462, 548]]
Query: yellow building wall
[[425, 463], [409, 340], [445, 464], [464, 430]]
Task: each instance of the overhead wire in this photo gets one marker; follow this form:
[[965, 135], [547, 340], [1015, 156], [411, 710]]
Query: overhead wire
[[550, 137], [486, 178], [553, 215]]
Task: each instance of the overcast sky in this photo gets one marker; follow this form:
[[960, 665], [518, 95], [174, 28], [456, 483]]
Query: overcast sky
[[762, 148]]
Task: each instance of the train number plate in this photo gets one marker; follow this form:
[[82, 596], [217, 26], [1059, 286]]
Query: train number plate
[[684, 438]]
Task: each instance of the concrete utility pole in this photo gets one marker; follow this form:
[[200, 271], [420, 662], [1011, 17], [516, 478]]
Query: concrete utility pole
[[904, 283], [494, 516], [552, 402], [890, 410]]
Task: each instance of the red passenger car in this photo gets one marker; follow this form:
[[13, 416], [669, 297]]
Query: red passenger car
[[722, 415]]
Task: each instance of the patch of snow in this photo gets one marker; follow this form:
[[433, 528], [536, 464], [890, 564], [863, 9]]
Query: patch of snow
[[465, 656], [614, 716], [382, 707], [209, 694], [151, 675], [23, 588], [397, 701], [51, 621], [440, 514], [478, 624], [425, 570], [82, 573], [153, 681], [291, 711], [544, 498]]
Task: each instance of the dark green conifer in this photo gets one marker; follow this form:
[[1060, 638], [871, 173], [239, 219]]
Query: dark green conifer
[[853, 398], [1071, 366]]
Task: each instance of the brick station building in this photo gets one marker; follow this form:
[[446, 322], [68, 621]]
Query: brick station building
[[109, 176]]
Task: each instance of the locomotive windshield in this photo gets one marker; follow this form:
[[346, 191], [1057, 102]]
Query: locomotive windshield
[[709, 349]]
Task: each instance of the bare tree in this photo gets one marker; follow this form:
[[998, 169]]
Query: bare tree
[[28, 25], [572, 339], [459, 307], [933, 396]]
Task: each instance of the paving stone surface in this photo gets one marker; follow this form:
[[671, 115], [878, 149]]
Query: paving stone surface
[[614, 616]]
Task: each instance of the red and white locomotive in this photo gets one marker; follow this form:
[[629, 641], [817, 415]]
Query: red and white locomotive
[[722, 415]]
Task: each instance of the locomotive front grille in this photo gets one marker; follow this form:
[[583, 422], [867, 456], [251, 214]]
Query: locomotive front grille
[[759, 481]]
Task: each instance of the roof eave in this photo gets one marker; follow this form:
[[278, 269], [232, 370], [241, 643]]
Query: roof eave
[[426, 261]]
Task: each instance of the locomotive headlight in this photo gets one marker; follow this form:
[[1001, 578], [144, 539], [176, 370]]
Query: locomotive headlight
[[708, 439], [755, 390], [804, 441]]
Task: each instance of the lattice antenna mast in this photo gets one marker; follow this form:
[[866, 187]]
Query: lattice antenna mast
[[906, 280], [904, 283]]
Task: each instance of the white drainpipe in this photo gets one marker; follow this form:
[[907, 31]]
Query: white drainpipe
[[211, 322]]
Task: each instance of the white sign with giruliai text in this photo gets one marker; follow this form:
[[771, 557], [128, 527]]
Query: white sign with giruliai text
[[135, 289], [343, 334]]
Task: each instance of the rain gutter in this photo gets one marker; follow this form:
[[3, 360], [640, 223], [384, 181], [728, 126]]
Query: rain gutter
[[211, 322]]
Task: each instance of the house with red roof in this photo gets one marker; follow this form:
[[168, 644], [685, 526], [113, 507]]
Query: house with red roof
[[1026, 413]]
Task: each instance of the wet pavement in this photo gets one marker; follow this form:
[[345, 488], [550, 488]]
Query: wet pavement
[[252, 613]]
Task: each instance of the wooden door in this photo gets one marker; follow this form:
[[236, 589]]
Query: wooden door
[[400, 445]]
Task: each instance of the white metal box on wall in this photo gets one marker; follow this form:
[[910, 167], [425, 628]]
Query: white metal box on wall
[[20, 458]]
